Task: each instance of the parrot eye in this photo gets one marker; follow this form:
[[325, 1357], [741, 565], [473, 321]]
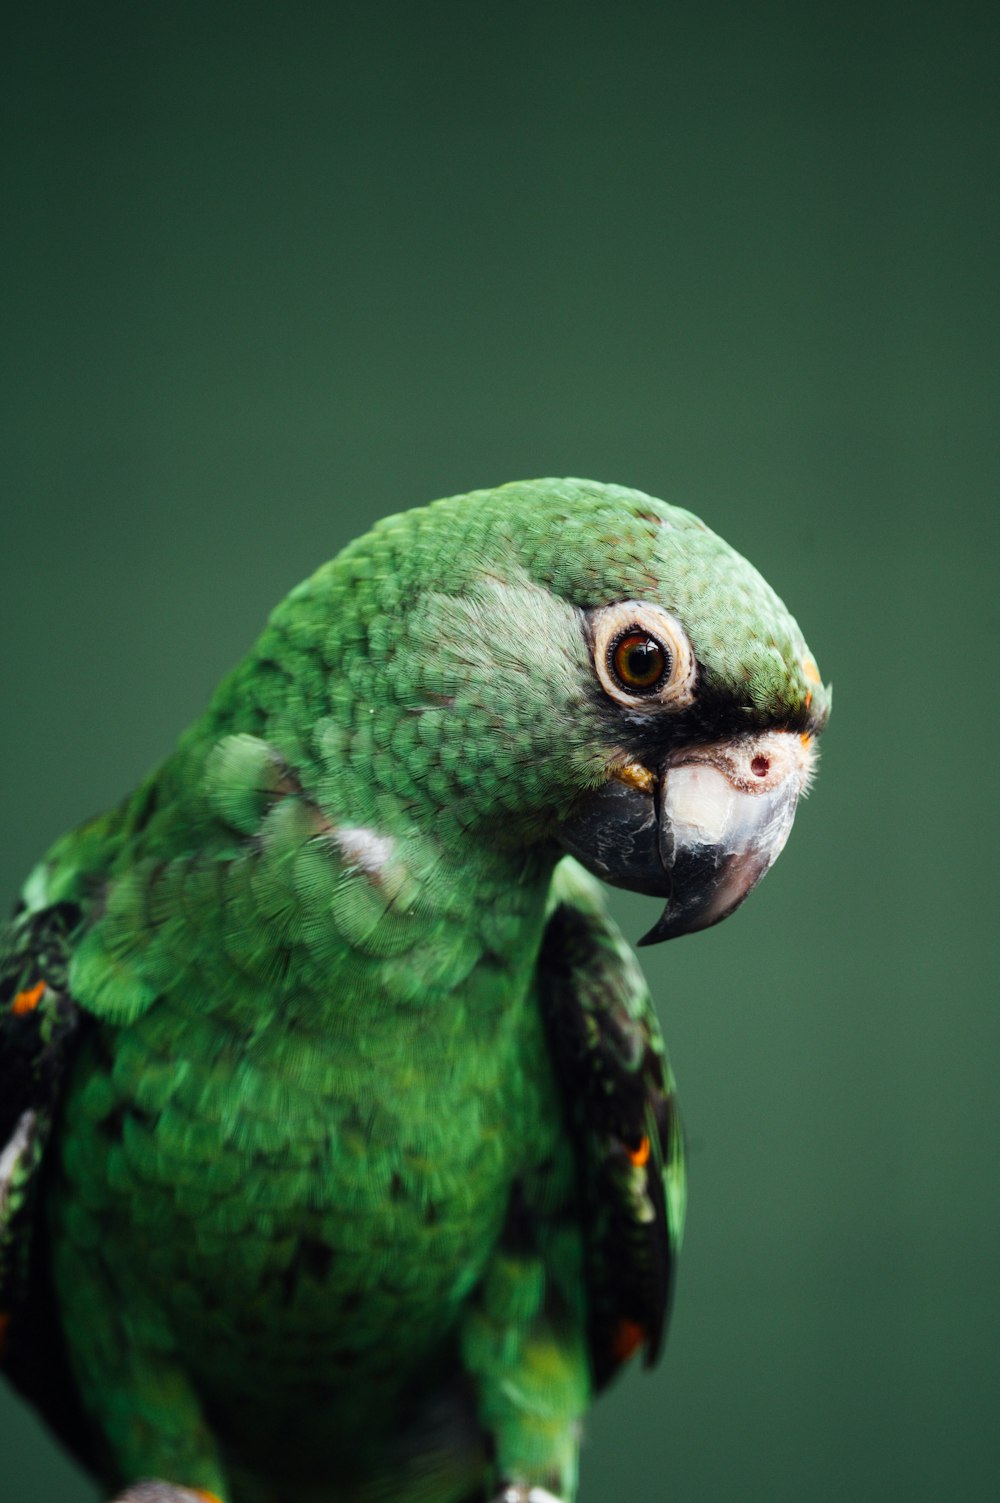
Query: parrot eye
[[643, 656], [638, 661]]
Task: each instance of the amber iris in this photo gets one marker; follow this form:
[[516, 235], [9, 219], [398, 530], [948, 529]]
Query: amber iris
[[638, 661]]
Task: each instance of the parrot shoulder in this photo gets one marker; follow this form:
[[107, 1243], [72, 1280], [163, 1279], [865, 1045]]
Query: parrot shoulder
[[619, 1100]]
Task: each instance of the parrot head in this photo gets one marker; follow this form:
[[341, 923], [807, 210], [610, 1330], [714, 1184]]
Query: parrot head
[[585, 668], [719, 703]]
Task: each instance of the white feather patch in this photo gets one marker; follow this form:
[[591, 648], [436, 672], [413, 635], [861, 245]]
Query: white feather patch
[[527, 1495], [15, 1150], [365, 849]]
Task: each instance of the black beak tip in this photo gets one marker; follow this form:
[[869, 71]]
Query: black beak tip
[[666, 927], [679, 919]]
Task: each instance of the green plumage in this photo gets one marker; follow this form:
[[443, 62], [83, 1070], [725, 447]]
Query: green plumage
[[346, 1197]]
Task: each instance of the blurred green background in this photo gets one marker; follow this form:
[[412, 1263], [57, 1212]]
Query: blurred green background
[[273, 271]]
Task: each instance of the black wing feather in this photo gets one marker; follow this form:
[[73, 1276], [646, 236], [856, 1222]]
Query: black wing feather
[[611, 1064], [40, 1030]]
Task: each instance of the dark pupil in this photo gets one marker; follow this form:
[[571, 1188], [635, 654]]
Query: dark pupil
[[640, 662]]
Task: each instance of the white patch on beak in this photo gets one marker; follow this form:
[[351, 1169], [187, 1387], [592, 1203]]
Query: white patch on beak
[[726, 813], [699, 804], [723, 795]]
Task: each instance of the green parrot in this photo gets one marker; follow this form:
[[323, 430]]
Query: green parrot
[[339, 1154]]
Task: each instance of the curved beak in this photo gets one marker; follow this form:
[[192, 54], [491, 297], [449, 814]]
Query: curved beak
[[702, 834]]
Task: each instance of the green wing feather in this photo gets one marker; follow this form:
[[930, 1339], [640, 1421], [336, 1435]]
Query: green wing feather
[[620, 1103]]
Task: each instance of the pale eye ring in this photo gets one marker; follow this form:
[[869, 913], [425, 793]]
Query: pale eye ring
[[643, 657]]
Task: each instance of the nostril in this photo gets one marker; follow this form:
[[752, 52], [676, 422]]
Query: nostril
[[760, 767]]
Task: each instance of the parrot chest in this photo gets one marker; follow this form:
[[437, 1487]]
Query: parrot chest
[[304, 1204]]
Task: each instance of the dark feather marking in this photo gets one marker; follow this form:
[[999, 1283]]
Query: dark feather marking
[[493, 960], [145, 809], [312, 1259], [518, 1234], [433, 701], [113, 1125]]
